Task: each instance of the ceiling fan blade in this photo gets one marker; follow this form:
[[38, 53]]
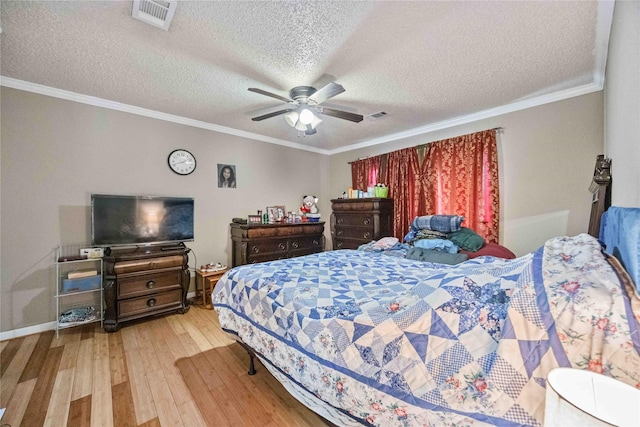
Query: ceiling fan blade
[[326, 92], [340, 114], [273, 95], [269, 115]]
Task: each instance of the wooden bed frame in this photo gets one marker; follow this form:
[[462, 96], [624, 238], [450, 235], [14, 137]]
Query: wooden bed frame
[[601, 189]]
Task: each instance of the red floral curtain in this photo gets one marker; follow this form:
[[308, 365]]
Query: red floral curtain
[[365, 173], [460, 177], [400, 176]]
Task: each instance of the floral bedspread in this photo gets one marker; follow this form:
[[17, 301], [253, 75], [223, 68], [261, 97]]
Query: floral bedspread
[[390, 341]]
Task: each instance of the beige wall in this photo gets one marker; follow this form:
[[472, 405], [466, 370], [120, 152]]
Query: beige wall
[[55, 153], [622, 88], [546, 157]]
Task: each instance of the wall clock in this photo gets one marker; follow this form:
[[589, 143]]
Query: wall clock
[[182, 162]]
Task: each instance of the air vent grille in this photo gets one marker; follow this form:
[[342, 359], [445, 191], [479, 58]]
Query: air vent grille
[[154, 12], [376, 116]]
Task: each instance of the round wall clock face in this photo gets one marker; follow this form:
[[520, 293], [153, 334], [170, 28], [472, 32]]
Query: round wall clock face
[[182, 162]]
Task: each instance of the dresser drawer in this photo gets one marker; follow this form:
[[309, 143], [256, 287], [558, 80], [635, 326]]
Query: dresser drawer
[[259, 247], [306, 245], [144, 284], [352, 205], [357, 219], [364, 233], [254, 259], [124, 267], [135, 307], [348, 243]]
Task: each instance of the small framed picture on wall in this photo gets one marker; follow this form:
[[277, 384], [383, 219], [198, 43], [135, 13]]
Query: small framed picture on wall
[[226, 176]]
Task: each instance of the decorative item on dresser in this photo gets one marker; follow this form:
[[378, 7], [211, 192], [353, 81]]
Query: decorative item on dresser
[[144, 281], [358, 221], [253, 243]]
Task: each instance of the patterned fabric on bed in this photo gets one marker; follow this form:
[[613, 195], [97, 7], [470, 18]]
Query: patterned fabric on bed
[[390, 341]]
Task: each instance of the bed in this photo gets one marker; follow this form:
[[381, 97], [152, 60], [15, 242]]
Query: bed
[[365, 338]]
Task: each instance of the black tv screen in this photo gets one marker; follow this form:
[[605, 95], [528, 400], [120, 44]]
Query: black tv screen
[[140, 220]]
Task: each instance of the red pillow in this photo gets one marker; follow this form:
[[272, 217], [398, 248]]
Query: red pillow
[[490, 249]]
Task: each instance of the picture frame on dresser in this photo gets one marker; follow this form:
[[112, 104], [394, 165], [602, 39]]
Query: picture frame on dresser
[[276, 213]]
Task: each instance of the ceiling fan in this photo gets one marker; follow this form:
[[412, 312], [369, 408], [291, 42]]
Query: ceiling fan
[[305, 100]]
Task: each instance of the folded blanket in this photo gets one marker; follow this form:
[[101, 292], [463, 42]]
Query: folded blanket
[[441, 245], [442, 223], [430, 255], [467, 239]]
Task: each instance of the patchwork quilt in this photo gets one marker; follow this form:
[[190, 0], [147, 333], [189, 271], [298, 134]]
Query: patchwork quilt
[[390, 341]]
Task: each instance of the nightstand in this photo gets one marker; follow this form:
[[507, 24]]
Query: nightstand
[[207, 280]]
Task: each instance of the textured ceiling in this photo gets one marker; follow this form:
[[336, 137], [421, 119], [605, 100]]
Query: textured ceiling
[[424, 63]]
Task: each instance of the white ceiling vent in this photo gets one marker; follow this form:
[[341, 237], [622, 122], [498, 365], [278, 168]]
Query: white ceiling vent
[[154, 12], [376, 116]]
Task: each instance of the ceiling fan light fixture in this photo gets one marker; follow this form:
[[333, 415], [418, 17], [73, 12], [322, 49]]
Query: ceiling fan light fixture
[[291, 118], [306, 116], [300, 126], [315, 122]]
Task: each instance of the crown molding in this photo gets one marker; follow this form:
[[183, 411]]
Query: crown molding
[[470, 118], [603, 33], [457, 121], [126, 108]]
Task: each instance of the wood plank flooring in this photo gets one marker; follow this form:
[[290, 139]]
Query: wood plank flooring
[[177, 370]]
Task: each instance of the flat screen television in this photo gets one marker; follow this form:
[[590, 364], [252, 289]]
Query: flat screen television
[[140, 220]]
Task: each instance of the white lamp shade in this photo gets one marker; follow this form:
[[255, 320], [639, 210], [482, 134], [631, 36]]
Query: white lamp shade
[[306, 116], [315, 122], [291, 118], [301, 126], [576, 397]]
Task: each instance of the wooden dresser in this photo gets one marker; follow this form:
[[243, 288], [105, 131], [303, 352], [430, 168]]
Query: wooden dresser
[[358, 221], [253, 243], [144, 281]]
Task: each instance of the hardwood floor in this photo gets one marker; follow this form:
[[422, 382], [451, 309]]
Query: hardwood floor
[[178, 370]]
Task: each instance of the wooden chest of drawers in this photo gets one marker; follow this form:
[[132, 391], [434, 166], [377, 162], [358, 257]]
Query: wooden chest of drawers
[[358, 221], [253, 243], [143, 284]]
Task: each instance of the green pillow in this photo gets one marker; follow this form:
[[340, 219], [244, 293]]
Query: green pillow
[[467, 239]]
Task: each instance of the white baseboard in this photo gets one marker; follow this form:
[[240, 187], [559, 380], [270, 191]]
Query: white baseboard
[[29, 330], [36, 329]]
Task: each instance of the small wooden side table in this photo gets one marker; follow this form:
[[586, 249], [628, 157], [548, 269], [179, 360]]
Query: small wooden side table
[[207, 280]]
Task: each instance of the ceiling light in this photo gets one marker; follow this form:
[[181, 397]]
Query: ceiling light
[[315, 122], [300, 126], [305, 122], [291, 118], [306, 116]]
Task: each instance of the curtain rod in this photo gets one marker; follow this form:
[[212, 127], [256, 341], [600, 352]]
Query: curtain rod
[[499, 131]]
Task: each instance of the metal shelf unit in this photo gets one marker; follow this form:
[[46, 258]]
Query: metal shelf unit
[[77, 298]]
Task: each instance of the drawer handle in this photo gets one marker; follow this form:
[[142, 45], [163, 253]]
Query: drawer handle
[[151, 302], [150, 284], [340, 220], [255, 249], [339, 232], [295, 245], [339, 245], [366, 221], [366, 235], [282, 246], [315, 242]]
